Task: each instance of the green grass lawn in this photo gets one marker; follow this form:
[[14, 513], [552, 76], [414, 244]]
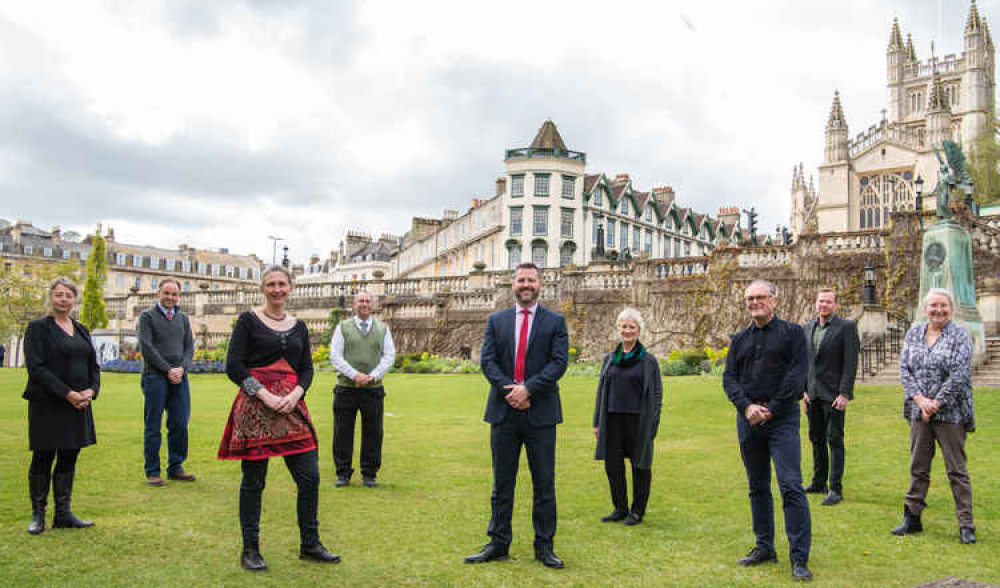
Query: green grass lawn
[[432, 505]]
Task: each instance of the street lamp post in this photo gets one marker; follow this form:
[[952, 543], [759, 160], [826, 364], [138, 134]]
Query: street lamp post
[[868, 293], [919, 200]]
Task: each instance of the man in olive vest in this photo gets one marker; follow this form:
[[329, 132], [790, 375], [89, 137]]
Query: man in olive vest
[[362, 352]]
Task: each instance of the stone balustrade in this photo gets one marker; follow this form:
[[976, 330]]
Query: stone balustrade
[[855, 242], [765, 257]]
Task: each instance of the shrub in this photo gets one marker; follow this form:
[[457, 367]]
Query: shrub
[[676, 367], [693, 357]]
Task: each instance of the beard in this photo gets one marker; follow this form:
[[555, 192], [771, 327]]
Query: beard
[[531, 293]]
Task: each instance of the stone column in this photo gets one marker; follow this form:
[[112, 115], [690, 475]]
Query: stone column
[[989, 306]]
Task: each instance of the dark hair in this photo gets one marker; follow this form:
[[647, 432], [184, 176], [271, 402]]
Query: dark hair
[[828, 290], [168, 281], [529, 265]]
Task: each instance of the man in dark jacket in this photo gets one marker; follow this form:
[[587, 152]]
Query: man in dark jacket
[[167, 347], [764, 379], [525, 352], [833, 345]]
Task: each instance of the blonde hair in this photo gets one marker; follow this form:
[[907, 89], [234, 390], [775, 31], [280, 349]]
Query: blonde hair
[[631, 314]]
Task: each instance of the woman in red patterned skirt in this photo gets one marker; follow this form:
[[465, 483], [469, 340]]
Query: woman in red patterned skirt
[[270, 360]]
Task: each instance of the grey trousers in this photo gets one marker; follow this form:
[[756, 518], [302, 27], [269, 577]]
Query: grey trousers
[[951, 438]]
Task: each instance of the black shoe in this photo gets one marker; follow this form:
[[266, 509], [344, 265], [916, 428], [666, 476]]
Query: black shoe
[[800, 571], [967, 535], [549, 559], [618, 515], [758, 556], [369, 482], [252, 560], [815, 488], [62, 491], [832, 498], [911, 524], [38, 489], [341, 482], [490, 552], [317, 552], [632, 519]]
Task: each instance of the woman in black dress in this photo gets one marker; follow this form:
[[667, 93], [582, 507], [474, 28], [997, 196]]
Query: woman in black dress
[[270, 360], [627, 417], [63, 379]]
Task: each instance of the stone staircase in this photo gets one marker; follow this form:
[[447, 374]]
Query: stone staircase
[[986, 375]]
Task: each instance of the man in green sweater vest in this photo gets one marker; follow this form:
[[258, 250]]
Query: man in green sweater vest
[[362, 351]]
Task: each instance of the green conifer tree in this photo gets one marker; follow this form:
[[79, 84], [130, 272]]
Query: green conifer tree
[[984, 159], [93, 313]]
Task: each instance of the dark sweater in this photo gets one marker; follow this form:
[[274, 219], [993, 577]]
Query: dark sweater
[[254, 344], [165, 344]]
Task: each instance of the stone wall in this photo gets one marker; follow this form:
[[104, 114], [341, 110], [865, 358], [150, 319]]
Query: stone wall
[[685, 301]]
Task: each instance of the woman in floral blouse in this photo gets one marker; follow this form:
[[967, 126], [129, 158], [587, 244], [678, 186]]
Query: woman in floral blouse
[[936, 371]]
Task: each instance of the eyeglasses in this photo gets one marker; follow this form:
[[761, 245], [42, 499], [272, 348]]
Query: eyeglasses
[[759, 298]]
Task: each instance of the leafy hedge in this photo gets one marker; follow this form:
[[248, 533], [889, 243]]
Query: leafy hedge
[[131, 366]]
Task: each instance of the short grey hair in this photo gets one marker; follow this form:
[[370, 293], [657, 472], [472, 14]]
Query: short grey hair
[[631, 314], [772, 290], [276, 268], [939, 292], [66, 283]]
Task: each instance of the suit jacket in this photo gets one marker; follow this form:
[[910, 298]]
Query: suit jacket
[[833, 367], [48, 367], [544, 363]]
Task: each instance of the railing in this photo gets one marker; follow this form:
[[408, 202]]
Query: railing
[[765, 257], [682, 267], [529, 152], [866, 242], [879, 348], [909, 137], [614, 280]]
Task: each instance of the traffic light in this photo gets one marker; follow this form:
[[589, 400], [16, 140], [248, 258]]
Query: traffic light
[[751, 220]]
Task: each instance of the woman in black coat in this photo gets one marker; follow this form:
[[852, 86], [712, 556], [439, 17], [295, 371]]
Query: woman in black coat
[[627, 417], [63, 379]]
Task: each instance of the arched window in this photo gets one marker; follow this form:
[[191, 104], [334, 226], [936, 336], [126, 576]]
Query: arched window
[[883, 193]]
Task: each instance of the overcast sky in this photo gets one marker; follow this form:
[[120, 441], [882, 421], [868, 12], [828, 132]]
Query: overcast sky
[[220, 123]]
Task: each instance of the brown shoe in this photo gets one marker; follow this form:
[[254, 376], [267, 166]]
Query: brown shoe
[[182, 476], [154, 480]]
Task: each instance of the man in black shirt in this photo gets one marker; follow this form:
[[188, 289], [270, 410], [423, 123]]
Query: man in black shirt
[[764, 379]]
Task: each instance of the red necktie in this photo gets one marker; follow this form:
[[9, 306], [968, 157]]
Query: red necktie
[[170, 314], [522, 347]]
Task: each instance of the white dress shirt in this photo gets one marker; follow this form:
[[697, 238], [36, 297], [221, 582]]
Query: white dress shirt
[[337, 352]]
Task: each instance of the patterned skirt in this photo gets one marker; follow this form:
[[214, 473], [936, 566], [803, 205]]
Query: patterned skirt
[[254, 431]]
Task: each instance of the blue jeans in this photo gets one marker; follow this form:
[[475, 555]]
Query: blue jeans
[[778, 441], [176, 399]]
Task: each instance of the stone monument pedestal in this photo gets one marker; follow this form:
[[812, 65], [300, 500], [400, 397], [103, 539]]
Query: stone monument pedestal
[[947, 263]]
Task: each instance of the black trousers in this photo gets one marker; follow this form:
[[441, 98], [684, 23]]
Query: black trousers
[[41, 461], [777, 441], [506, 440], [623, 441], [304, 468], [826, 428], [346, 404]]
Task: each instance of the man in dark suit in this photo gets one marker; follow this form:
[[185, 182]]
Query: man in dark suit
[[833, 346], [525, 351], [765, 376]]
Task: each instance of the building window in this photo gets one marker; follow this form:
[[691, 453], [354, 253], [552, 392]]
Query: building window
[[216, 270], [120, 281], [862, 219], [568, 187], [566, 223], [541, 185], [611, 234], [231, 271], [515, 256], [136, 261], [47, 251], [171, 264], [565, 255], [187, 286], [516, 219], [666, 246], [596, 227], [636, 235], [597, 196], [120, 258], [186, 265], [624, 239], [649, 213], [138, 283], [540, 221], [155, 283], [66, 254], [538, 251], [649, 241], [154, 262], [202, 268], [624, 204], [517, 186]]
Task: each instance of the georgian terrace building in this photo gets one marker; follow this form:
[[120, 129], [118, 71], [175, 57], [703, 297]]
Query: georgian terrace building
[[131, 268], [548, 210]]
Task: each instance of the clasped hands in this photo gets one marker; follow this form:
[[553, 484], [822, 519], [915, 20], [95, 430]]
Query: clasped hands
[[757, 414], [80, 400], [174, 375], [362, 379], [518, 398], [928, 407], [283, 404]]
